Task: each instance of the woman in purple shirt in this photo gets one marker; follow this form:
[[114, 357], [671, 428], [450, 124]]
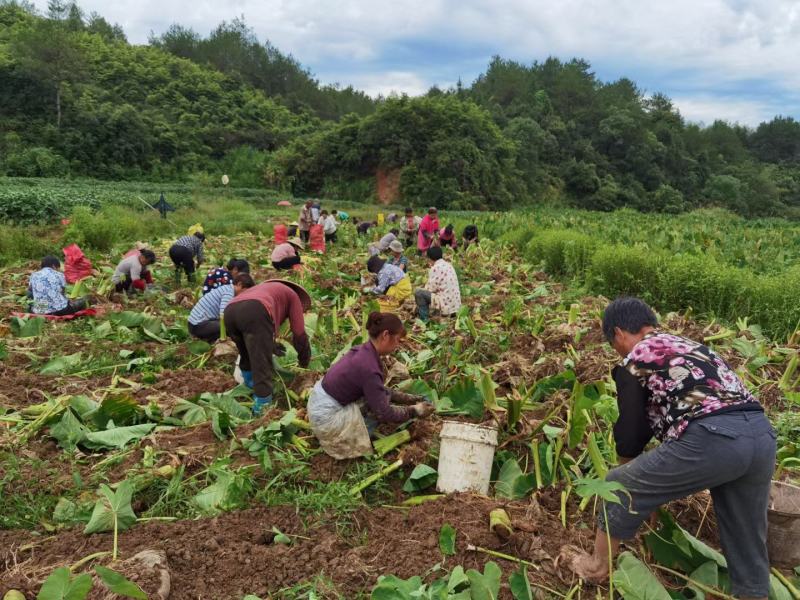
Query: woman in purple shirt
[[356, 383]]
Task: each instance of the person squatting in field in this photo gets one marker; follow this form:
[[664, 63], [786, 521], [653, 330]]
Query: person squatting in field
[[354, 387], [46, 291], [252, 320], [132, 274], [204, 320], [470, 236], [383, 244], [441, 293], [397, 258], [713, 433], [447, 237], [392, 281], [225, 275], [183, 254], [286, 255]]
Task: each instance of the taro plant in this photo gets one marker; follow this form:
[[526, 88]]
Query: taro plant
[[112, 512]]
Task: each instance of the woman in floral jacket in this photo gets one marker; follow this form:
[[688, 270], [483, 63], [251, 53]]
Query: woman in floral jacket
[[442, 292], [713, 433]]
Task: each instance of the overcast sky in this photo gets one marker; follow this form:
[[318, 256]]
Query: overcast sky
[[733, 59]]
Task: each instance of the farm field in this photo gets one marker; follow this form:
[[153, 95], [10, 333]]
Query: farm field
[[233, 506]]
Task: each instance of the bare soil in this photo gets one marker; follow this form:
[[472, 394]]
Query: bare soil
[[233, 554]]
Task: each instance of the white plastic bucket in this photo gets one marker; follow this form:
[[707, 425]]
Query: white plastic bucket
[[783, 518], [465, 457]]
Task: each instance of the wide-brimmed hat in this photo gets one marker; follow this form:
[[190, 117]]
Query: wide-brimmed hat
[[396, 246], [305, 299], [296, 241]]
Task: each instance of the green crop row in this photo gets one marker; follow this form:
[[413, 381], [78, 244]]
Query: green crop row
[[28, 200], [41, 205], [667, 280], [762, 245]]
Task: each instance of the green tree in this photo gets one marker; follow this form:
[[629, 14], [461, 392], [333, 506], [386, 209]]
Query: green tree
[[47, 52]]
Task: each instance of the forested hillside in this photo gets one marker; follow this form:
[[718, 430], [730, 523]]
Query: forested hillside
[[76, 99]]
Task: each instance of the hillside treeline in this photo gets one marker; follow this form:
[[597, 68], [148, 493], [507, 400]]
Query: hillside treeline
[[76, 99]]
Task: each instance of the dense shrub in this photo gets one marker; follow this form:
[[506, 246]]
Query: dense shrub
[[774, 302], [30, 243], [668, 281], [706, 285], [626, 271], [103, 229], [562, 252], [36, 162]]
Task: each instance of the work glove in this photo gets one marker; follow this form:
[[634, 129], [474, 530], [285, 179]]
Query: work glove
[[303, 346], [398, 397], [247, 376], [279, 349], [259, 402], [424, 409]]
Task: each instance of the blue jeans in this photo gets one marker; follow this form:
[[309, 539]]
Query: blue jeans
[[732, 455]]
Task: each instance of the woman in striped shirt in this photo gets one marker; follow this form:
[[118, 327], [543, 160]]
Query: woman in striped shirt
[[205, 316]]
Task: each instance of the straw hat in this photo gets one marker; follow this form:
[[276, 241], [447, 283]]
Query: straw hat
[[297, 242], [396, 246], [298, 289]]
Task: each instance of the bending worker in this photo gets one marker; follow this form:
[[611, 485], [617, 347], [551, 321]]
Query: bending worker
[[132, 273], [714, 436], [356, 381], [253, 318], [183, 254]]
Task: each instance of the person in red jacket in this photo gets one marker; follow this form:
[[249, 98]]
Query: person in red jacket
[[253, 318]]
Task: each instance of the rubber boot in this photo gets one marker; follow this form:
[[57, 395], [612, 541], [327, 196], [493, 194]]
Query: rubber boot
[[191, 277], [247, 377], [259, 403], [423, 312], [177, 277]]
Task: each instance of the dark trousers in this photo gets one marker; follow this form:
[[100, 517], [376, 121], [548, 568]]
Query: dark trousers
[[330, 238], [304, 235], [731, 454], [71, 308], [250, 327], [287, 263], [183, 258], [206, 330]]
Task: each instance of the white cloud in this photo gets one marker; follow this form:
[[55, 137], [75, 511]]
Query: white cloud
[[706, 109], [696, 49], [391, 82]]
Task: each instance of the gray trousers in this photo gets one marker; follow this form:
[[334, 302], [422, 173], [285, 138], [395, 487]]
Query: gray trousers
[[732, 455], [422, 297]]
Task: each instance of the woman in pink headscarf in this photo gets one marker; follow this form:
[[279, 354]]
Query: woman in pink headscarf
[[428, 231]]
